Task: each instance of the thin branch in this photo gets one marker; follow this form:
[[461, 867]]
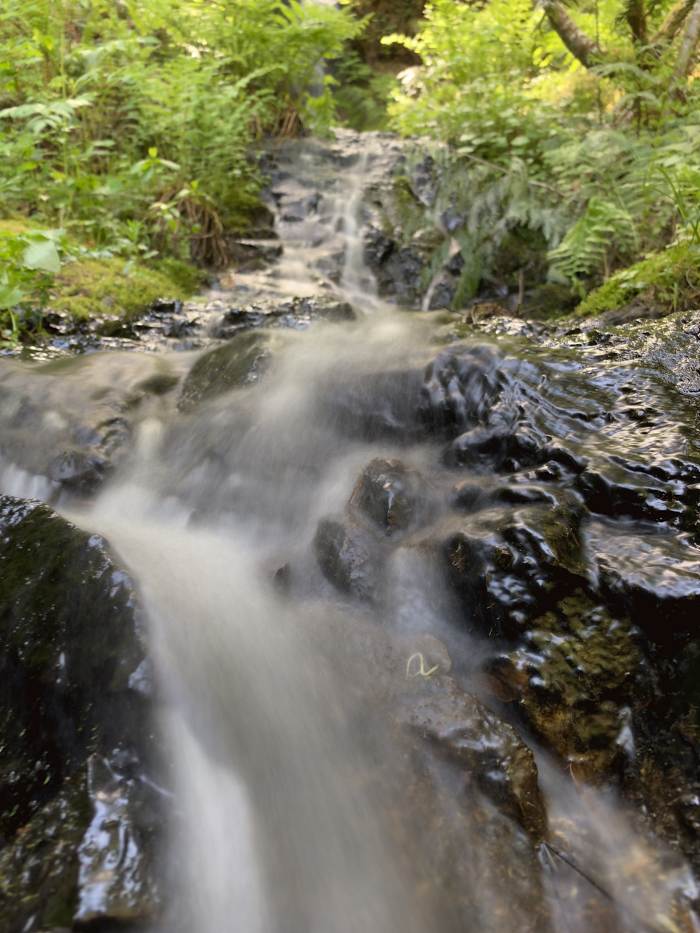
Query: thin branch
[[581, 46]]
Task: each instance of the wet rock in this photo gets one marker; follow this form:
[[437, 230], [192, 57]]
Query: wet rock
[[460, 387], [116, 879], [78, 470], [501, 449], [348, 556], [375, 406], [72, 662], [291, 312], [509, 565], [425, 655], [239, 362], [402, 274], [654, 577], [377, 247], [442, 290], [423, 181], [574, 678], [71, 421], [39, 870], [387, 493], [470, 496], [649, 493], [252, 254], [463, 731]]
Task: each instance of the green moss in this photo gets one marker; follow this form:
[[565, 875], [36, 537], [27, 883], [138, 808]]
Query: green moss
[[403, 212], [15, 226], [573, 679], [669, 280], [189, 278], [93, 287]]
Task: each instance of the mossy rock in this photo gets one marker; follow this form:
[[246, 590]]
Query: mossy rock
[[508, 566], [549, 301], [39, 871], [573, 679], [659, 284], [93, 288], [73, 682], [239, 362]]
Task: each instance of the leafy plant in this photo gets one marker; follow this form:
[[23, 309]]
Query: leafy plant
[[28, 263]]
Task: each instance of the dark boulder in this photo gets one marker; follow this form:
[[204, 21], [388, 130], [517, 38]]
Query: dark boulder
[[73, 681], [78, 470], [508, 565], [388, 493], [348, 557]]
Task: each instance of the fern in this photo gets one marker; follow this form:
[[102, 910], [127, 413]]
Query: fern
[[604, 229]]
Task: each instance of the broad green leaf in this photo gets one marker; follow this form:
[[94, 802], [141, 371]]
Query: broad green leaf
[[42, 256], [10, 296]]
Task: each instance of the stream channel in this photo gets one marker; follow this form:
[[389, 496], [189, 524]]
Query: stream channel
[[319, 615]]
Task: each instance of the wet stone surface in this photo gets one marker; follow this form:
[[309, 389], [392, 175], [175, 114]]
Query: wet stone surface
[[73, 844]]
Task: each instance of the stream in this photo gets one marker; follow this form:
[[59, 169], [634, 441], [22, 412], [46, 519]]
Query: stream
[[419, 600]]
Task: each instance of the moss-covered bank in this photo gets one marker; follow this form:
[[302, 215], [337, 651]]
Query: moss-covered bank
[[90, 288], [661, 283]]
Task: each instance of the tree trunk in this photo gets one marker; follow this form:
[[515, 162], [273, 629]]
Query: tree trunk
[[673, 23], [636, 16], [689, 44], [581, 46]]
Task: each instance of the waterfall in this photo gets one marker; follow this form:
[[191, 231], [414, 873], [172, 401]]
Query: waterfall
[[320, 783]]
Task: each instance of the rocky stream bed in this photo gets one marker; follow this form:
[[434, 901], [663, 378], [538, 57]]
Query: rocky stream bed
[[474, 550]]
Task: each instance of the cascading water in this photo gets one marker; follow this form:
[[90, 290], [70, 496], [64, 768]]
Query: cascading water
[[302, 805]]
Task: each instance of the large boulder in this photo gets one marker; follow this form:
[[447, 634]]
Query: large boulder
[[237, 363], [79, 812]]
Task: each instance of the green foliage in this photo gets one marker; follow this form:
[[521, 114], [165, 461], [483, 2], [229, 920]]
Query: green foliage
[[603, 164], [586, 246], [29, 260], [131, 125], [669, 280], [470, 87]]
